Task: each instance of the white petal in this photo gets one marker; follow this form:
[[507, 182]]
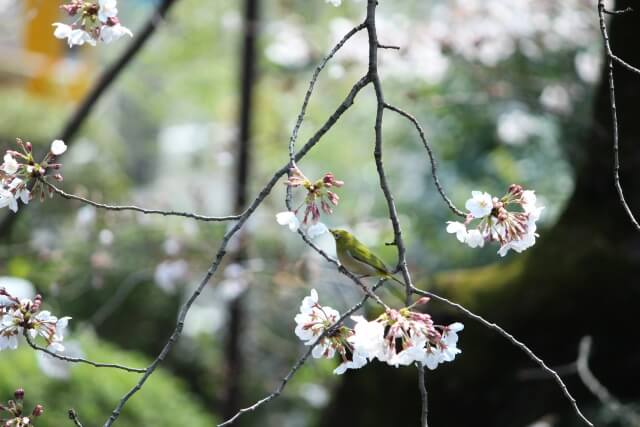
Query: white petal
[[58, 147], [317, 230]]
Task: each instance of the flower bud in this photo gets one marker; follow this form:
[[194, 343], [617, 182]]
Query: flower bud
[[37, 411], [29, 147], [19, 394], [515, 189], [422, 300]]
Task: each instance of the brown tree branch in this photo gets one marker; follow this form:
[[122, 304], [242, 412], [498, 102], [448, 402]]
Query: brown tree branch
[[596, 387], [614, 115], [79, 359], [266, 190], [73, 416], [69, 196]]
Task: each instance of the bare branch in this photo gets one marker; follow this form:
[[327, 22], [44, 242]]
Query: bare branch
[[307, 97], [266, 190], [301, 361], [434, 165], [618, 12], [384, 185], [516, 343], [424, 396], [80, 359], [69, 196], [614, 115], [625, 64], [73, 416], [596, 387]]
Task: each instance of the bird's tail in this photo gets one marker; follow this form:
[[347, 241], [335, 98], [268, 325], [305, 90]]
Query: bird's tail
[[395, 279]]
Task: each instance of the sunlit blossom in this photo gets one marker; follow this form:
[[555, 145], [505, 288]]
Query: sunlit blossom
[[514, 229]]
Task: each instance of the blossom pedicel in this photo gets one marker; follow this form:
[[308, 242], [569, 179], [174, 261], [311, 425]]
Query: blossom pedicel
[[397, 337], [96, 21], [497, 221], [21, 175]]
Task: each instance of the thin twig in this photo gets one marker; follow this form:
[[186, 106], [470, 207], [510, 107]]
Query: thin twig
[[434, 165], [307, 97], [614, 115], [73, 416], [516, 343], [625, 64], [423, 396], [80, 359], [266, 190], [301, 361], [618, 12], [388, 46], [69, 196], [599, 390], [384, 185]]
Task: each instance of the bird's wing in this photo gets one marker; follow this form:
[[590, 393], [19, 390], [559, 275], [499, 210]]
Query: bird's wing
[[359, 253]]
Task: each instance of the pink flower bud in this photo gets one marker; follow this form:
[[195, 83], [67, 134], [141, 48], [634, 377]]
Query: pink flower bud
[[29, 147], [330, 180], [333, 197], [37, 411], [422, 300], [326, 208], [515, 189], [19, 394]]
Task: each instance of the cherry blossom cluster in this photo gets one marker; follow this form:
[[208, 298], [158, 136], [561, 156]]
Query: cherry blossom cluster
[[319, 197], [95, 21], [14, 409], [397, 337], [510, 220], [19, 316], [20, 173]]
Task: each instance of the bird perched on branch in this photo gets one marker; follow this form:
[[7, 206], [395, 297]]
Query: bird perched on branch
[[357, 258]]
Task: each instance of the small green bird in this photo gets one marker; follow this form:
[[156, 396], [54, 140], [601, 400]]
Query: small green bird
[[357, 258]]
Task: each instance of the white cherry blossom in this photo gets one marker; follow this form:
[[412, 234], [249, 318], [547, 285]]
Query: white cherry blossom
[[289, 219], [480, 204], [475, 239], [110, 33], [10, 165], [108, 9], [58, 147], [459, 229]]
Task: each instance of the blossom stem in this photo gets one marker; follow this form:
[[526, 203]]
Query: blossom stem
[[79, 359], [69, 196]]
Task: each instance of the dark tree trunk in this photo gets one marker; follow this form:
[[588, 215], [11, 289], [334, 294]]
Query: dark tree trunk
[[236, 311], [580, 279]]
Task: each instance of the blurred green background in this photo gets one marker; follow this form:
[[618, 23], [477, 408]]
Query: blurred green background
[[505, 94]]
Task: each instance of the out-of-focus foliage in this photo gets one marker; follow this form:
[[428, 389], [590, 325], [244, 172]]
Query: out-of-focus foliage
[[94, 392]]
